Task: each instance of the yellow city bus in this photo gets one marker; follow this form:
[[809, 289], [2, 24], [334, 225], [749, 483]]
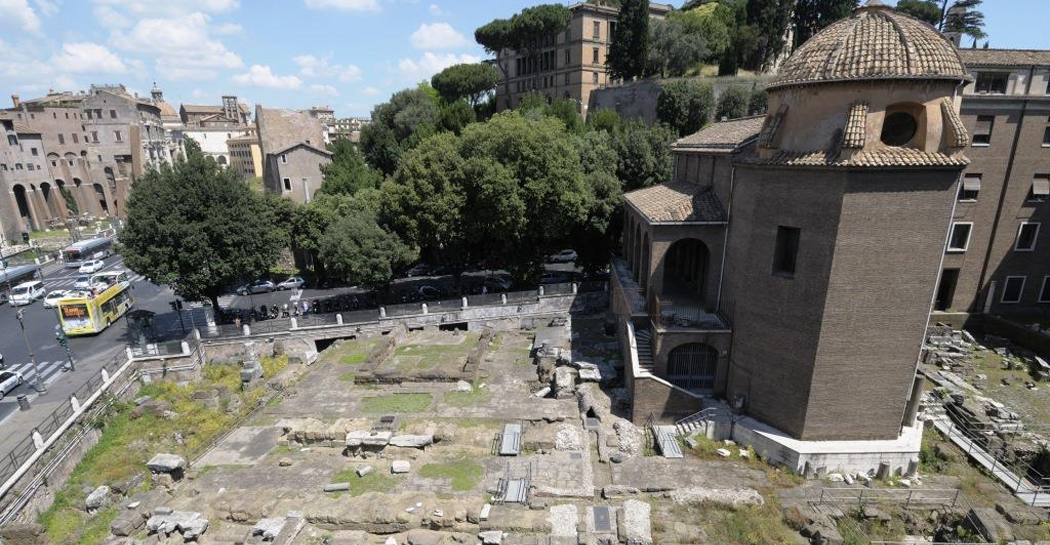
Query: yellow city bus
[[91, 311]]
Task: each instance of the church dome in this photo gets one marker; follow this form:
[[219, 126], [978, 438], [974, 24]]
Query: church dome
[[875, 43]]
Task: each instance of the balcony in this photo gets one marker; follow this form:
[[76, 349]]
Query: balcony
[[683, 313]]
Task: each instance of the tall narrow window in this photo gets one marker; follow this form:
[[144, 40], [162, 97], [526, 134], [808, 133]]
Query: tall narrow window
[[1027, 236], [1046, 132], [62, 139], [1012, 289], [568, 59], [960, 239], [287, 184], [112, 114], [1044, 292], [785, 252], [991, 83], [970, 188], [982, 131], [595, 55], [597, 30], [118, 136]]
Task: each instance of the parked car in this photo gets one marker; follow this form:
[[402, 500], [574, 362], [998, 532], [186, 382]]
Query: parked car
[[564, 256], [419, 269], [260, 286], [82, 283], [9, 380], [26, 293], [496, 284], [556, 277], [91, 267], [429, 293], [292, 283], [52, 298]]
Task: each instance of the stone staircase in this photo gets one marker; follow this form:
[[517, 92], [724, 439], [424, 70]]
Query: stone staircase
[[644, 340]]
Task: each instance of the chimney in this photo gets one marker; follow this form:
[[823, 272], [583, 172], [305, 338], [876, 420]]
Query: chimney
[[15, 101]]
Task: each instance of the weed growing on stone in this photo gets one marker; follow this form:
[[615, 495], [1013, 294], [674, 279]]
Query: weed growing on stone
[[463, 472], [397, 403], [475, 396], [372, 482]]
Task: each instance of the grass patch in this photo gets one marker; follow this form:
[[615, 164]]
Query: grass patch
[[475, 396], [755, 525], [464, 472], [411, 357], [348, 376], [397, 403], [372, 482], [356, 352], [707, 449], [127, 443]]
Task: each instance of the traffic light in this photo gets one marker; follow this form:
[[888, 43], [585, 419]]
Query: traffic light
[[61, 336], [176, 305]]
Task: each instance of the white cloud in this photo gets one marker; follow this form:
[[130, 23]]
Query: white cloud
[[436, 10], [261, 76], [17, 14], [46, 7], [160, 8], [437, 36], [350, 5], [311, 66], [88, 57], [183, 46], [370, 91], [226, 29], [110, 18], [431, 63], [327, 90]]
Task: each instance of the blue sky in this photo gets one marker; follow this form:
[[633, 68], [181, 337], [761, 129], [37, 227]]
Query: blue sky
[[348, 54]]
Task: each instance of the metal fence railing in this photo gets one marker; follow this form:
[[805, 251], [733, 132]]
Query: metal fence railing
[[847, 499], [558, 289]]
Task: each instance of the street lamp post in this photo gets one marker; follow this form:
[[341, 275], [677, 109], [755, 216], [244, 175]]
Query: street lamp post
[[36, 370], [64, 341]]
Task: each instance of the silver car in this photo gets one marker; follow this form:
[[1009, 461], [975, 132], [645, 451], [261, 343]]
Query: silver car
[[9, 380]]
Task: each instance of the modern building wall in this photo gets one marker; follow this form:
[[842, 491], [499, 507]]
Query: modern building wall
[[214, 141], [1009, 100], [245, 156]]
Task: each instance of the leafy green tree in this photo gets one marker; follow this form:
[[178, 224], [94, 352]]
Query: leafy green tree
[[643, 154], [685, 105], [964, 18], [673, 50], [568, 111], [358, 251], [456, 115], [758, 103], [198, 229], [531, 100], [926, 11], [744, 40], [733, 102], [629, 51], [348, 172], [193, 149], [714, 22], [410, 116], [812, 16], [469, 81], [521, 34], [603, 119], [769, 20], [596, 150]]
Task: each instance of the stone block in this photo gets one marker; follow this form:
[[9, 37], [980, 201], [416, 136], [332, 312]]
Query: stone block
[[637, 526], [411, 441], [400, 466], [362, 471], [97, 498], [166, 463]]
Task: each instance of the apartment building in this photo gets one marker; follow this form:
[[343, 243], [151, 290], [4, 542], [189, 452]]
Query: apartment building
[[998, 255], [292, 146], [569, 64], [334, 128], [245, 155]]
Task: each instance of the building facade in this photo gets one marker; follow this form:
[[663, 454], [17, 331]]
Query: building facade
[[998, 258], [245, 156], [785, 275], [292, 146], [568, 65]]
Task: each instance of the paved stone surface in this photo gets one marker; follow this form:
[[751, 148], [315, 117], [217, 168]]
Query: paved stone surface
[[245, 446]]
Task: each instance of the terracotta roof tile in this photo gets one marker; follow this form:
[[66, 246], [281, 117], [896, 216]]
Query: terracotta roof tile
[[1005, 57], [886, 157], [771, 127], [959, 137], [856, 124], [876, 42], [724, 135], [677, 202]]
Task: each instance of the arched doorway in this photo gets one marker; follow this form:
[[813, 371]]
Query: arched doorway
[[54, 210], [100, 194], [644, 267], [22, 200], [636, 253], [693, 366], [108, 171]]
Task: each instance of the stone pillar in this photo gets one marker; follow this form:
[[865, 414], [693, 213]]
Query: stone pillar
[[911, 413], [382, 312], [575, 288], [196, 334], [541, 291], [339, 319], [246, 330], [503, 298], [423, 307], [295, 323], [464, 302]]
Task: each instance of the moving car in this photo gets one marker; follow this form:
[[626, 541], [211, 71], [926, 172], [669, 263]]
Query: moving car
[[259, 286], [25, 294], [564, 256], [292, 283], [91, 267], [9, 380], [83, 283], [52, 298], [419, 269]]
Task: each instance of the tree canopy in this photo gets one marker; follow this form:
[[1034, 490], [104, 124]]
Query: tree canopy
[[356, 250], [673, 49], [410, 116], [466, 81], [198, 228], [629, 51], [924, 10], [347, 173], [812, 16], [733, 102], [522, 33], [685, 105]]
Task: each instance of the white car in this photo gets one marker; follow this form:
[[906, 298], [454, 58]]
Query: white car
[[9, 380], [292, 283], [25, 294], [564, 256], [91, 267], [83, 283], [52, 298]]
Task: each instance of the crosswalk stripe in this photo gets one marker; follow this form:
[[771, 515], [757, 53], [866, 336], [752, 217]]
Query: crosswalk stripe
[[47, 369]]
